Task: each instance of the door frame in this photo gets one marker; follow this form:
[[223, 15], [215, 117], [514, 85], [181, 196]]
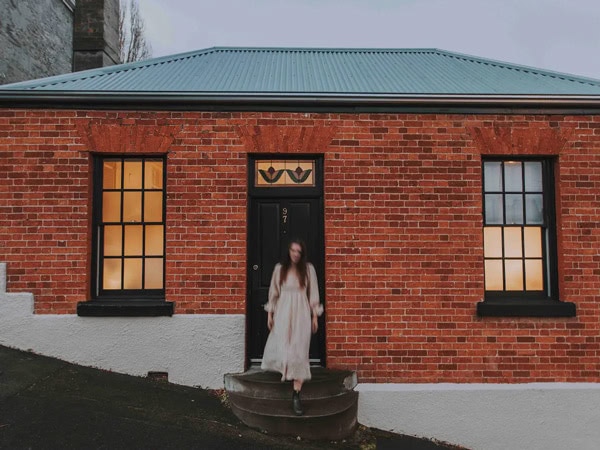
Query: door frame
[[315, 192]]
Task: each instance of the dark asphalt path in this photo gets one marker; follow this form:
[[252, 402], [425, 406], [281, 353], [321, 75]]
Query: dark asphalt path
[[46, 403]]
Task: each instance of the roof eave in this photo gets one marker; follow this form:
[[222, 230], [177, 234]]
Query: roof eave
[[193, 100]]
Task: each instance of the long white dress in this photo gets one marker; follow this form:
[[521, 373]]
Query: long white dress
[[286, 350]]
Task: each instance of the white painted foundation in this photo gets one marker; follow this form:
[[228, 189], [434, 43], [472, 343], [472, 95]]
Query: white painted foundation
[[195, 350], [198, 350], [548, 416]]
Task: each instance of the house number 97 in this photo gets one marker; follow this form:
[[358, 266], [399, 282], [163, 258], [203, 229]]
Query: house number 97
[[284, 215]]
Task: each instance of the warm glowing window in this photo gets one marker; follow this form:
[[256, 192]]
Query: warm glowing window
[[518, 227], [129, 227]]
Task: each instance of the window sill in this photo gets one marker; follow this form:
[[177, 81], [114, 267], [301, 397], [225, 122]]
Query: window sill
[[125, 308], [528, 308]]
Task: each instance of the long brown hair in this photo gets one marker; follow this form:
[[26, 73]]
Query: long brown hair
[[300, 267]]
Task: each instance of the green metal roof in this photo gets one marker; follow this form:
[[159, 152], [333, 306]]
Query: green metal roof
[[318, 71]]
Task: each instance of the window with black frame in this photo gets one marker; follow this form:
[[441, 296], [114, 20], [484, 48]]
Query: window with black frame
[[129, 237], [519, 239]]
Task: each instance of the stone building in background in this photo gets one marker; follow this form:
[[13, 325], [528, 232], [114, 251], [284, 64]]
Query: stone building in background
[[42, 39]]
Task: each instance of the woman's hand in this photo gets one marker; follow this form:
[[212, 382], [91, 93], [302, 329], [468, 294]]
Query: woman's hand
[[270, 321], [315, 324]]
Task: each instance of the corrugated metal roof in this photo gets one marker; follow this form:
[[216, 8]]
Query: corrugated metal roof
[[225, 70]]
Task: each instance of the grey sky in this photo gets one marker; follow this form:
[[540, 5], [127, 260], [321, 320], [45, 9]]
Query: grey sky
[[559, 35]]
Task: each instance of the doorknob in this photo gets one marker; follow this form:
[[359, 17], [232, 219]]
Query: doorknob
[[255, 267]]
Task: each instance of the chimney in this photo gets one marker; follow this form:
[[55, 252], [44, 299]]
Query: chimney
[[95, 34]]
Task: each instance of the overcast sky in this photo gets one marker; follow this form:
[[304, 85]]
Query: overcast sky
[[559, 35]]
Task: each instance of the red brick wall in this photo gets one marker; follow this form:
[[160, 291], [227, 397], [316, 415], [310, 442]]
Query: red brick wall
[[403, 228]]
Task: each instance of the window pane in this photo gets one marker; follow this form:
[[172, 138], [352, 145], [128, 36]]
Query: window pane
[[133, 175], [493, 275], [111, 207], [153, 206], [111, 175], [512, 243], [132, 276], [534, 208], [112, 274], [153, 175], [154, 240], [133, 240], [154, 273], [533, 176], [113, 240], [492, 242], [514, 209], [492, 173], [513, 181], [493, 209], [132, 207], [514, 274], [533, 242], [534, 275]]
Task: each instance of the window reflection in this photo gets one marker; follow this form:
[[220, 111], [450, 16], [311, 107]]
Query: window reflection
[[533, 176], [514, 208], [534, 208], [513, 180], [493, 209], [493, 176]]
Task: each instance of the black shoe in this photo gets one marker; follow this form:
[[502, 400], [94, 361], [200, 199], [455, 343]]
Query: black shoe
[[296, 404]]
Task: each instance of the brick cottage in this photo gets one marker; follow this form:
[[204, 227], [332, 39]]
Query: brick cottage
[[450, 205]]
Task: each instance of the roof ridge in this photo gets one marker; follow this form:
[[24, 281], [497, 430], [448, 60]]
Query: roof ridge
[[521, 67], [108, 70]]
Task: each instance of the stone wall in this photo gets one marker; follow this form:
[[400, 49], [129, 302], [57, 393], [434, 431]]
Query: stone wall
[[36, 39]]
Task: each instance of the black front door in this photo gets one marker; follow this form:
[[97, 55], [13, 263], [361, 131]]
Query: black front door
[[273, 222]]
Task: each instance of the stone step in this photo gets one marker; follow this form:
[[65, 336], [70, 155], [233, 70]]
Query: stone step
[[321, 407], [261, 384], [261, 400], [335, 426]]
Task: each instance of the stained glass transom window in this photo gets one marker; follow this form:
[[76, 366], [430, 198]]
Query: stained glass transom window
[[284, 173]]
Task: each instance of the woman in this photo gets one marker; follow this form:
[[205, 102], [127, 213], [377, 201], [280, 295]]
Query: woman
[[293, 309]]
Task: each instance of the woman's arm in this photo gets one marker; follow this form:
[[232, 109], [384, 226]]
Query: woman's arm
[[271, 305], [314, 300]]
